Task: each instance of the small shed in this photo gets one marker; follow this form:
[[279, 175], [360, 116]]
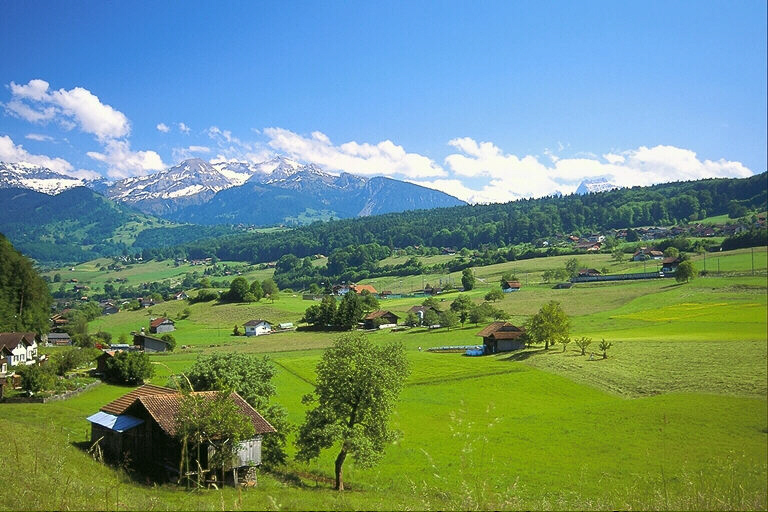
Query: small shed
[[669, 265], [510, 286], [502, 337], [150, 343], [257, 327], [589, 272], [161, 325], [381, 317]]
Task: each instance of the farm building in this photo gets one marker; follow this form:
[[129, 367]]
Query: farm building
[[150, 343], [381, 317], [420, 311], [644, 253], [669, 265], [502, 337], [108, 308], [181, 296], [257, 327], [59, 339], [161, 325], [510, 286], [589, 272], [140, 428], [20, 348]]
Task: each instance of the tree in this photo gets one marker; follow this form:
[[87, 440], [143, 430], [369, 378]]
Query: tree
[[671, 252], [57, 278], [604, 346], [565, 342], [256, 290], [572, 267], [358, 384], [617, 255], [461, 303], [168, 338], [632, 236], [270, 289], [685, 272], [36, 378], [251, 377], [236, 330], [368, 301], [494, 295], [431, 317], [238, 289], [411, 319], [467, 279], [583, 343], [431, 302], [449, 319], [350, 312], [218, 422], [549, 326], [128, 368]]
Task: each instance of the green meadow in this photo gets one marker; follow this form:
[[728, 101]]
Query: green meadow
[[674, 418]]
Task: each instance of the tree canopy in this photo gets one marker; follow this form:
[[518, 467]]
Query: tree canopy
[[25, 302], [358, 384], [549, 326]]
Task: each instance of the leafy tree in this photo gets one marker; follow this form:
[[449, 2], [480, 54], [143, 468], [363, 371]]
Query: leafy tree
[[671, 252], [25, 301], [461, 303], [128, 368], [632, 236], [251, 377], [256, 290], [685, 272], [236, 330], [431, 317], [617, 255], [368, 301], [572, 266], [604, 346], [467, 279], [57, 278], [583, 343], [449, 319], [36, 378], [494, 295], [411, 319], [431, 302], [507, 276], [350, 311], [238, 289], [168, 338], [270, 289], [549, 326], [358, 384], [218, 422], [565, 342]]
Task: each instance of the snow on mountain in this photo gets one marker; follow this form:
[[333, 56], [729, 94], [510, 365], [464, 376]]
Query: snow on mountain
[[593, 185], [33, 177]]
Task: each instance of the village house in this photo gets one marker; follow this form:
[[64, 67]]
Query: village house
[[510, 286], [59, 320], [20, 348], [108, 308], [420, 311], [181, 296], [502, 337], [59, 339], [257, 327], [145, 302], [645, 253], [161, 325], [150, 343], [140, 428], [669, 265], [379, 319], [589, 272]]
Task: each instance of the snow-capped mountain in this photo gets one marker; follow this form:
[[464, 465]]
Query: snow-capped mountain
[[34, 177], [592, 185]]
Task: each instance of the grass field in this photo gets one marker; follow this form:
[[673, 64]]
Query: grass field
[[675, 418]]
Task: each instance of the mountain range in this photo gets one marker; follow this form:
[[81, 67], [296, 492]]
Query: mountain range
[[278, 191]]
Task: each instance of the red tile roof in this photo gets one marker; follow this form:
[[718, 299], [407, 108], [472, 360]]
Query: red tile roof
[[360, 288], [159, 321], [119, 406], [164, 409]]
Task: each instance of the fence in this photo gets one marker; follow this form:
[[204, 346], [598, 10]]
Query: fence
[[621, 277]]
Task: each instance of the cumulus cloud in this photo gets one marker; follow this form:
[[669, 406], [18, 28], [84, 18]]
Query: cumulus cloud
[[384, 158], [124, 162], [13, 153], [162, 127], [232, 149], [183, 128], [36, 102], [509, 176]]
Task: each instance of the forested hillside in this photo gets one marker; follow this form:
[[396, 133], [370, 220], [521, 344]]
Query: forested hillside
[[25, 301], [497, 224]]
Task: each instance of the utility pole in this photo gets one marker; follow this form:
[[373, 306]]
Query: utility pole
[[753, 260]]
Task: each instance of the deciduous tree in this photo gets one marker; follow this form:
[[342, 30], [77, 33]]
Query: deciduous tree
[[549, 326]]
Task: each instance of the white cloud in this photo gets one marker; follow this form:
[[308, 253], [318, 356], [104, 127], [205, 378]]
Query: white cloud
[[122, 162], [511, 177], [385, 158], [189, 152], [85, 174], [38, 137], [231, 149], [162, 127], [12, 153], [183, 128], [35, 102]]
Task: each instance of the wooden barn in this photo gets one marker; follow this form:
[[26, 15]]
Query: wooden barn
[[502, 337], [381, 317], [139, 429], [161, 325], [150, 343]]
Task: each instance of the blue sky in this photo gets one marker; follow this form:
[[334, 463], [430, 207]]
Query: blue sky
[[486, 100]]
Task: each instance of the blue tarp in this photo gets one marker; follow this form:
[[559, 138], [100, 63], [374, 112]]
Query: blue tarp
[[117, 423]]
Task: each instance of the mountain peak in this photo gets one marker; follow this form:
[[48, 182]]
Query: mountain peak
[[35, 177], [594, 185]]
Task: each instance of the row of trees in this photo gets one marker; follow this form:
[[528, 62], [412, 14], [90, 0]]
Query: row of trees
[[342, 316]]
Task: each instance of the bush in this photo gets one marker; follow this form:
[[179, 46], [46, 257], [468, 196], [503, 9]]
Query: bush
[[204, 296], [128, 368], [168, 338], [36, 378]]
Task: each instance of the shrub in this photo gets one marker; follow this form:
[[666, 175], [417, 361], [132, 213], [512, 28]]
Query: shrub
[[128, 368]]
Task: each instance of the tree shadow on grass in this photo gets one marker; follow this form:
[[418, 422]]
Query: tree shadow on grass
[[522, 356]]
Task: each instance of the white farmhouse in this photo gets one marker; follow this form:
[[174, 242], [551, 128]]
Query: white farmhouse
[[257, 327], [17, 348]]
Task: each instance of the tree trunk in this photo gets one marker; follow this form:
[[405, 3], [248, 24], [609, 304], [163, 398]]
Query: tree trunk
[[339, 464]]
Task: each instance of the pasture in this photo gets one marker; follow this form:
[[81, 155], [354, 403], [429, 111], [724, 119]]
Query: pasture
[[675, 418]]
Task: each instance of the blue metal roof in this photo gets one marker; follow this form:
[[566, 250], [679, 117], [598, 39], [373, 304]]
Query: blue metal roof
[[117, 423]]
